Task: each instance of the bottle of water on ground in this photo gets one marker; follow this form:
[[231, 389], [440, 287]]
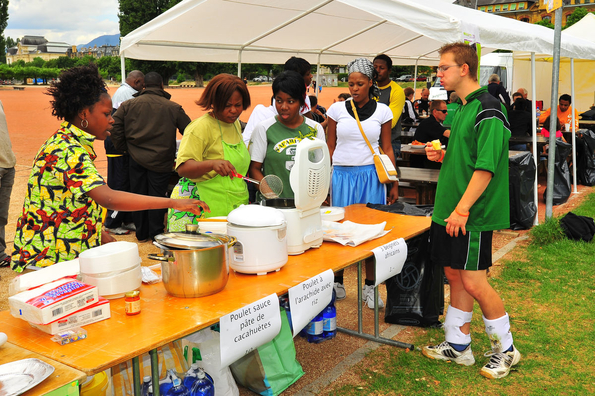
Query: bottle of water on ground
[[314, 330], [177, 389], [146, 385], [202, 386], [192, 375], [167, 383], [329, 315]]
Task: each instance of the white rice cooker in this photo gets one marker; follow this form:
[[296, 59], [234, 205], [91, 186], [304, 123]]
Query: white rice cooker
[[261, 234]]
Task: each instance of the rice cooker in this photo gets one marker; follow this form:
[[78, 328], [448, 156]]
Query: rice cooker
[[261, 234]]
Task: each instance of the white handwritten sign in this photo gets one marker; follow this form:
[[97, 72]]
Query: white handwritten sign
[[246, 329], [308, 298], [389, 259]]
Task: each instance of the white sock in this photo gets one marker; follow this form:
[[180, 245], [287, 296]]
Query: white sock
[[455, 318], [498, 331]]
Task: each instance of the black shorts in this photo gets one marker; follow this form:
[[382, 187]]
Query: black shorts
[[471, 252]]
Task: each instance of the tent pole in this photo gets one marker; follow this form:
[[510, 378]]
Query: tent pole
[[415, 79], [534, 134], [317, 89], [573, 126], [240, 64], [123, 66], [549, 198]]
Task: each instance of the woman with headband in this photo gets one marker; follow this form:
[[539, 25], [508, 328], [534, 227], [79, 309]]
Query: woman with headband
[[354, 177]]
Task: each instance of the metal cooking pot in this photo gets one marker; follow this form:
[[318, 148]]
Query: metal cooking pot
[[192, 264]]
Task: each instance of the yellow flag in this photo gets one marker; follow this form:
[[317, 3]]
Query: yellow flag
[[552, 5]]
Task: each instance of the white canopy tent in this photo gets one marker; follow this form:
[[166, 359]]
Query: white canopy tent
[[331, 32], [584, 96], [328, 31]]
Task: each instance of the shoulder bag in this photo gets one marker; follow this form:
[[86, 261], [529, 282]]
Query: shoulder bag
[[384, 166]]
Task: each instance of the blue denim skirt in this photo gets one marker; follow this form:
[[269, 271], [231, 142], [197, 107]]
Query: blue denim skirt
[[356, 184]]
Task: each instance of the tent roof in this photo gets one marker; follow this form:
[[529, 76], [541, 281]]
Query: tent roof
[[584, 28], [270, 31]]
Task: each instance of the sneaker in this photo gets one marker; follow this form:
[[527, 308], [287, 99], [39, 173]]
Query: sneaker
[[446, 352], [339, 291], [5, 262], [368, 297], [129, 226], [118, 231], [500, 363]]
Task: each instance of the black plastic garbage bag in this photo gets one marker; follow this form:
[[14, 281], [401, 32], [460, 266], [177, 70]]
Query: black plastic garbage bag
[[404, 208], [561, 174], [521, 189], [585, 158], [415, 297]]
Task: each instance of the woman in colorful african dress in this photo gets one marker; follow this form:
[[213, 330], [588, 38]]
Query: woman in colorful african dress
[[66, 196]]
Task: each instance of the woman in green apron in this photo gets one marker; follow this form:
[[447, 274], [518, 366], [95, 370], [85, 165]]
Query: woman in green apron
[[212, 151]]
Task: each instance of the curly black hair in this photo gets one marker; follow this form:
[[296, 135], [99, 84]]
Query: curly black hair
[[78, 88]]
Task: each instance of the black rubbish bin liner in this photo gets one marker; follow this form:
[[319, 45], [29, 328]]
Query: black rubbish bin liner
[[521, 189], [561, 174], [585, 158], [415, 297]]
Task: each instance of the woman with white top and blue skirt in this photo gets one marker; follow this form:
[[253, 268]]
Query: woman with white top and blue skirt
[[354, 177]]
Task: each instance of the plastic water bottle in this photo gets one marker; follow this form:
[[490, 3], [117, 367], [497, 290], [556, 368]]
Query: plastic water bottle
[[177, 389], [329, 315], [202, 385], [192, 374], [146, 385], [166, 384], [150, 390], [314, 329], [538, 112]]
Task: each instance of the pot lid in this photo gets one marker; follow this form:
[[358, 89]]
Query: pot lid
[[256, 216], [184, 240]]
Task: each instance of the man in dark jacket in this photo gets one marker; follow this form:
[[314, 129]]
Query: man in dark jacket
[[145, 128], [498, 91]]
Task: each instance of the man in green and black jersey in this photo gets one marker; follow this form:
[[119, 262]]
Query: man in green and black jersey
[[471, 201]]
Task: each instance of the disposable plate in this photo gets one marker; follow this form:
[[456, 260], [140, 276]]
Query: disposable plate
[[20, 376]]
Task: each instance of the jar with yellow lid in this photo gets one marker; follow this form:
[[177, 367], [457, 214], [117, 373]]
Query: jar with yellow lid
[[132, 302]]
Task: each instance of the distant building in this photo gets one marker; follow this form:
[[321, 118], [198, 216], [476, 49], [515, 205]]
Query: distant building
[[31, 47], [527, 11], [95, 52]]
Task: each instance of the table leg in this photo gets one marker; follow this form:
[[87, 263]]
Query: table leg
[[155, 371], [360, 331], [136, 376], [360, 319]]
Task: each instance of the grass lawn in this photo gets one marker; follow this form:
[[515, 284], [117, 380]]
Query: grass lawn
[[549, 293]]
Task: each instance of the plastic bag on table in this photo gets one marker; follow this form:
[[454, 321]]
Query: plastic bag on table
[[561, 174], [271, 368], [204, 345], [170, 357], [521, 189], [415, 297]]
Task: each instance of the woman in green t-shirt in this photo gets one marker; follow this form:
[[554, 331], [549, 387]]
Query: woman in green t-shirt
[[273, 142]]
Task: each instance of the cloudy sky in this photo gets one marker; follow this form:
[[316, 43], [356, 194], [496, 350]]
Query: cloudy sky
[[71, 21]]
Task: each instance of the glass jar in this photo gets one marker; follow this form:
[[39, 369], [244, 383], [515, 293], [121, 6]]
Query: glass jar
[[132, 302]]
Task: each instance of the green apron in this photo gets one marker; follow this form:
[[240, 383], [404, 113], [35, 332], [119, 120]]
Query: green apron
[[224, 193]]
